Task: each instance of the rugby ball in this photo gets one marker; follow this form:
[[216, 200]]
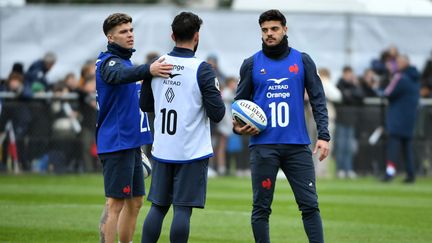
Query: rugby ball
[[247, 112], [147, 168]]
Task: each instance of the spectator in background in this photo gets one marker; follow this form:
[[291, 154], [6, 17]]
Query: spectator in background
[[17, 70], [20, 117], [213, 61], [345, 142], [63, 156], [370, 83], [88, 70], [379, 67], [87, 109], [35, 77], [386, 66], [403, 95], [224, 128], [426, 79], [391, 62], [213, 162], [333, 95], [72, 83], [15, 83], [151, 57]]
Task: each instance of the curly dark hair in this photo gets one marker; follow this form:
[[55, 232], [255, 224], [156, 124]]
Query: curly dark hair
[[270, 15], [185, 25], [115, 19]]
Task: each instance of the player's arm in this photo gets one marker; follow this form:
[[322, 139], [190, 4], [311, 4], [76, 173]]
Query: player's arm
[[212, 99], [245, 85], [245, 91], [115, 72], [146, 96], [315, 91], [317, 98]]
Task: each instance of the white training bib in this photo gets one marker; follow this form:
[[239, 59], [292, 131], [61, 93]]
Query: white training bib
[[181, 126]]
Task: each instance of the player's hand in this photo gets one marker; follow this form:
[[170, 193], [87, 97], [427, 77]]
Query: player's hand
[[323, 146], [244, 130], [160, 68]]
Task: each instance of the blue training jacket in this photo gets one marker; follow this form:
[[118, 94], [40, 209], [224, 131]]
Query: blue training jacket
[[120, 123]]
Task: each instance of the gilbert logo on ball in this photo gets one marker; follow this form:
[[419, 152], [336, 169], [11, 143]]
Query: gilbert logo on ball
[[247, 112]]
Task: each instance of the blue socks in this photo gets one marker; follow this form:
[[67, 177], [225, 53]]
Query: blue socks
[[153, 223], [180, 225]]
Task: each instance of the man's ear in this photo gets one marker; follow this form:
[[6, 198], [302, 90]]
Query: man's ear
[[286, 29], [110, 37], [196, 37], [173, 37]]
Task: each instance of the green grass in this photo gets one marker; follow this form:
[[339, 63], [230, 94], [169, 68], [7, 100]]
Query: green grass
[[68, 208]]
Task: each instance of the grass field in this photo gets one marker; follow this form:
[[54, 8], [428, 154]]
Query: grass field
[[67, 209]]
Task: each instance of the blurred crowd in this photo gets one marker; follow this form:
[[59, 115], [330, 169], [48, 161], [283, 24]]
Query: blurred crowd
[[53, 122], [69, 144]]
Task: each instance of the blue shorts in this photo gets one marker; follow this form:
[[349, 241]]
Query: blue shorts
[[179, 184], [123, 173]]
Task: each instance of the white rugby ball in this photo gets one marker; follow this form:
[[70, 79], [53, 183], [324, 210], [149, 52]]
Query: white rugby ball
[[247, 112]]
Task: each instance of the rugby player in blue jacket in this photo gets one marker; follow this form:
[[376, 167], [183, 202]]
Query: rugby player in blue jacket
[[275, 78], [184, 104], [121, 127]]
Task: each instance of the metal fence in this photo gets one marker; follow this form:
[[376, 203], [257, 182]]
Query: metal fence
[[50, 133]]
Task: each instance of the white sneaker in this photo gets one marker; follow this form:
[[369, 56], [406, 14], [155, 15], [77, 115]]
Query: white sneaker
[[211, 173], [351, 174], [147, 167], [341, 174]]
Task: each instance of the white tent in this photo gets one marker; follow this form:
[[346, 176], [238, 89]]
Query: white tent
[[381, 7]]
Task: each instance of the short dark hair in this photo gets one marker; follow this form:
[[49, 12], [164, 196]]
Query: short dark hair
[[270, 15], [185, 25], [115, 19], [347, 69]]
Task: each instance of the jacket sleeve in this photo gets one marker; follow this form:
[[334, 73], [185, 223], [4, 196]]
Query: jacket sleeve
[[113, 71], [146, 101], [245, 86], [317, 98], [209, 87]]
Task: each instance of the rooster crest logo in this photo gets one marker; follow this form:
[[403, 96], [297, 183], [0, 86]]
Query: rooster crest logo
[[266, 184]]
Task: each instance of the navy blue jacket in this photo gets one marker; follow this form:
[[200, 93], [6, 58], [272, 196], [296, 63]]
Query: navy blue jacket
[[313, 87], [212, 100], [114, 72], [36, 73], [403, 94]]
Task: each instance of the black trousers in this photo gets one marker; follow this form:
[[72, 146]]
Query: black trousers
[[297, 165]]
